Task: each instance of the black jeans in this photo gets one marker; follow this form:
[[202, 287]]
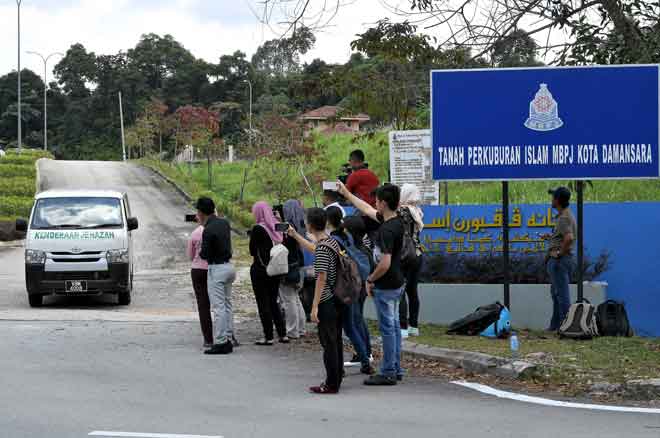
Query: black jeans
[[409, 309], [199, 281], [266, 290], [330, 323]]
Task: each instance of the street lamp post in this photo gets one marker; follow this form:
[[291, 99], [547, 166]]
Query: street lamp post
[[45, 60], [19, 115], [250, 84]]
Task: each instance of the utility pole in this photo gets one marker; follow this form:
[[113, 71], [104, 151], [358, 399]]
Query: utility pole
[[45, 60], [19, 114], [121, 121]]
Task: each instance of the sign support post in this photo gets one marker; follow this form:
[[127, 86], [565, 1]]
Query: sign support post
[[505, 244], [580, 240]]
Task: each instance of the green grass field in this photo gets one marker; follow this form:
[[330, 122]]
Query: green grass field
[[334, 151]]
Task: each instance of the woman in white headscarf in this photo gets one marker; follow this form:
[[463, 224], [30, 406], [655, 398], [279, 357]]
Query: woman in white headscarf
[[413, 220]]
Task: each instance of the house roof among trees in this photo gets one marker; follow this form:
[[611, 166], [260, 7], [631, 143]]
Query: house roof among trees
[[329, 112]]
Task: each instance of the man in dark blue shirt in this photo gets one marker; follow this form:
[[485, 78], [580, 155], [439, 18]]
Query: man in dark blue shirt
[[216, 250]]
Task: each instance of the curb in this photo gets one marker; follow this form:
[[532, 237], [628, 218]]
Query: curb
[[178, 188], [477, 363]]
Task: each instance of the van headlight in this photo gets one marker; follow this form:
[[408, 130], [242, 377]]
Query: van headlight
[[117, 256], [34, 257]]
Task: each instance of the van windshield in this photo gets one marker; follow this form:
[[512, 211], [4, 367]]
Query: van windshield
[[77, 213]]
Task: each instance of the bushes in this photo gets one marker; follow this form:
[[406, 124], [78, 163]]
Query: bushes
[[17, 182], [14, 206], [18, 186], [487, 269], [17, 170]]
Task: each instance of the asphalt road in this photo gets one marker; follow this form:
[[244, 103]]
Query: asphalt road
[[79, 366]]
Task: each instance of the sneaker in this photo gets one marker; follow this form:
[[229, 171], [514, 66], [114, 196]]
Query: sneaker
[[354, 362], [208, 345], [404, 334], [413, 331], [380, 380], [368, 370], [226, 348], [322, 389]]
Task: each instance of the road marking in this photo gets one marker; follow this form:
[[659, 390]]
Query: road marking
[[554, 403], [146, 435]]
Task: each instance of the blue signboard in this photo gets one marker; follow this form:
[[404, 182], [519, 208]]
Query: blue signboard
[[546, 123]]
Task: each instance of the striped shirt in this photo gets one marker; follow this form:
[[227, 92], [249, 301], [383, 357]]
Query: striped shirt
[[326, 261]]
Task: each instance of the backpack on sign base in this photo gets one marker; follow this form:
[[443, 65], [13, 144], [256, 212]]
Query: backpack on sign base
[[501, 328], [613, 319], [580, 323], [477, 321]]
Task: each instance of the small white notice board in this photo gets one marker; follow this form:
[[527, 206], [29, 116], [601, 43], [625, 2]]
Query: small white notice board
[[411, 160]]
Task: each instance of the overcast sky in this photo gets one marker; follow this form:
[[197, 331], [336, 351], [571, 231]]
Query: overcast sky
[[208, 28]]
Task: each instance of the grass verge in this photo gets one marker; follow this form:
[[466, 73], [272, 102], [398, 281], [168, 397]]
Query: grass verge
[[572, 366]]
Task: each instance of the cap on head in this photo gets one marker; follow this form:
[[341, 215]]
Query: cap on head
[[561, 194], [205, 205]]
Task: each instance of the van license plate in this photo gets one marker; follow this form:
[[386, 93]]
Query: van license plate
[[75, 286]]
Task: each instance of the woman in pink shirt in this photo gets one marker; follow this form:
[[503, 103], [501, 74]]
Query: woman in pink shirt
[[199, 276]]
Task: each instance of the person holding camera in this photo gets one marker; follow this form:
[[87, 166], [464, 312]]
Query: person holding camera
[[199, 274], [266, 288], [216, 251], [362, 182], [326, 309]]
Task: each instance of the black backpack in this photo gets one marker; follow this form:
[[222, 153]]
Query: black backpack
[[477, 321], [613, 319]]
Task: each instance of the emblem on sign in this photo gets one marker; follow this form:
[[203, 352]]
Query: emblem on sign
[[543, 112]]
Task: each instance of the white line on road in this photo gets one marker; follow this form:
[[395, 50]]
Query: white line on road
[[146, 435], [555, 403]]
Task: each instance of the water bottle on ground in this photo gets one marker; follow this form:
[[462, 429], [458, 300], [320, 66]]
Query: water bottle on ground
[[515, 346]]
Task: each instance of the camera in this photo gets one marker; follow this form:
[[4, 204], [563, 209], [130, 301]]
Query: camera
[[282, 227], [191, 218], [346, 170]]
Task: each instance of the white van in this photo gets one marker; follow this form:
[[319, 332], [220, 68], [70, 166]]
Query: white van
[[79, 243]]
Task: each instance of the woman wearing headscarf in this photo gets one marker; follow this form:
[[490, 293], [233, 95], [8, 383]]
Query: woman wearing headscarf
[[266, 289], [413, 221], [291, 285]]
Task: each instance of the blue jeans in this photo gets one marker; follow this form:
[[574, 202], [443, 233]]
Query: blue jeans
[[356, 330], [560, 271], [387, 308]]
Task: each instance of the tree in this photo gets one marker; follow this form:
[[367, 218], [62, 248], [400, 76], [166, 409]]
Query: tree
[[281, 57], [201, 127], [571, 32]]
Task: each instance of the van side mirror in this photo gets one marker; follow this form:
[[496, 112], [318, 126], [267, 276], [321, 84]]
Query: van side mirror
[[132, 223], [21, 225]]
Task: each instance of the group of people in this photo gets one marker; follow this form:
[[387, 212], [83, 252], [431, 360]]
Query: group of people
[[383, 217]]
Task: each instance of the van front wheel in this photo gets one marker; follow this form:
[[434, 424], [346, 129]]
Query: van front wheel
[[124, 298], [36, 300]]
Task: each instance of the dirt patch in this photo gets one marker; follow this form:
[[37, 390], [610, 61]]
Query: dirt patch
[[8, 232]]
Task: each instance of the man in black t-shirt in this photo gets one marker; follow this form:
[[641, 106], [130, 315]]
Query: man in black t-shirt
[[386, 283]]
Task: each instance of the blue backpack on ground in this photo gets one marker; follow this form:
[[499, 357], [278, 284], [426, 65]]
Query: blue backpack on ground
[[500, 328], [360, 257]]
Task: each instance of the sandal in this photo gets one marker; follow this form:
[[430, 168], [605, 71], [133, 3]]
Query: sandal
[[322, 389], [264, 342]]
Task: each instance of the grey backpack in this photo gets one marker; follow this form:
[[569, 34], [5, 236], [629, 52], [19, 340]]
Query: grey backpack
[[580, 323]]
